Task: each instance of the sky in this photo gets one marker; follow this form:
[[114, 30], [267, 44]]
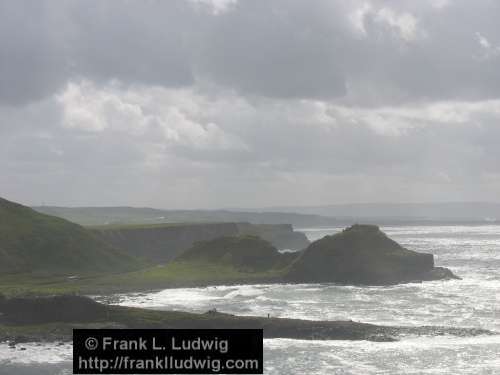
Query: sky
[[235, 103]]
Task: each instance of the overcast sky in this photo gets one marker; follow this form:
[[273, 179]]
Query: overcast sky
[[233, 103]]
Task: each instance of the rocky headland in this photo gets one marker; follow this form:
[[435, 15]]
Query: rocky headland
[[363, 254]]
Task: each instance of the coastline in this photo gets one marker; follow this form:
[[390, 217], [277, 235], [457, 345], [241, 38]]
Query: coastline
[[27, 325]]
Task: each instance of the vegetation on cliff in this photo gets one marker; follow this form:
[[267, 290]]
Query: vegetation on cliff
[[161, 243], [43, 244], [363, 254], [144, 215], [245, 253], [41, 254], [281, 236]]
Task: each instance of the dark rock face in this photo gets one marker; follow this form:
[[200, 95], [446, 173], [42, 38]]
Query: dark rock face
[[245, 253], [73, 312], [50, 309], [362, 254], [439, 273], [162, 243], [282, 236]]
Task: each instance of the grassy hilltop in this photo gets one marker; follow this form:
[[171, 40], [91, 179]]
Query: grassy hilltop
[[31, 242], [244, 253]]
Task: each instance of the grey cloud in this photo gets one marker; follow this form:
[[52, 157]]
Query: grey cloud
[[46, 43], [282, 49], [287, 49], [32, 56], [136, 42], [285, 159], [173, 104]]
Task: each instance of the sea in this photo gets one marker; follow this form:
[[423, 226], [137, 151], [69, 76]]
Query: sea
[[470, 251]]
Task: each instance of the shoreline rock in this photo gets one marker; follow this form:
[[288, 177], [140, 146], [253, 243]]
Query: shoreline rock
[[364, 255], [50, 329]]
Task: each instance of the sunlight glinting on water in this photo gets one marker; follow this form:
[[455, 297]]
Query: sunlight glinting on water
[[471, 252]]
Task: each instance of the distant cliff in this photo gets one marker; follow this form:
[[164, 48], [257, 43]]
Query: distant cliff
[[282, 236], [144, 215], [161, 243]]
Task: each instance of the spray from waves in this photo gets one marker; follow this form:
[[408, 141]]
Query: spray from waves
[[472, 252], [422, 355], [34, 352], [245, 291]]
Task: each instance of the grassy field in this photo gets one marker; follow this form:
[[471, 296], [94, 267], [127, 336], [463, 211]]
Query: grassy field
[[225, 260], [146, 226], [175, 274]]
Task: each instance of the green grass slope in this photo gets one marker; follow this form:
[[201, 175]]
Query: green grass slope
[[221, 261], [35, 243]]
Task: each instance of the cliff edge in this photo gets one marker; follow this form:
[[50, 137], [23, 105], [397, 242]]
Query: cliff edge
[[161, 243], [244, 253], [363, 254]]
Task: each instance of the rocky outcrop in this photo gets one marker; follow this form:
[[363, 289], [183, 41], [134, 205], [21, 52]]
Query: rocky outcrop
[[282, 236], [362, 254], [39, 310], [161, 243], [244, 253]]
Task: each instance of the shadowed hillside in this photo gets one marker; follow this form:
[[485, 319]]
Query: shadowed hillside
[[38, 243], [160, 243], [281, 236], [245, 253], [363, 254]]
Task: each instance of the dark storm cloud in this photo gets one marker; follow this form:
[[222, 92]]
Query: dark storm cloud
[[314, 49], [281, 49], [32, 52], [136, 42], [46, 43]]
